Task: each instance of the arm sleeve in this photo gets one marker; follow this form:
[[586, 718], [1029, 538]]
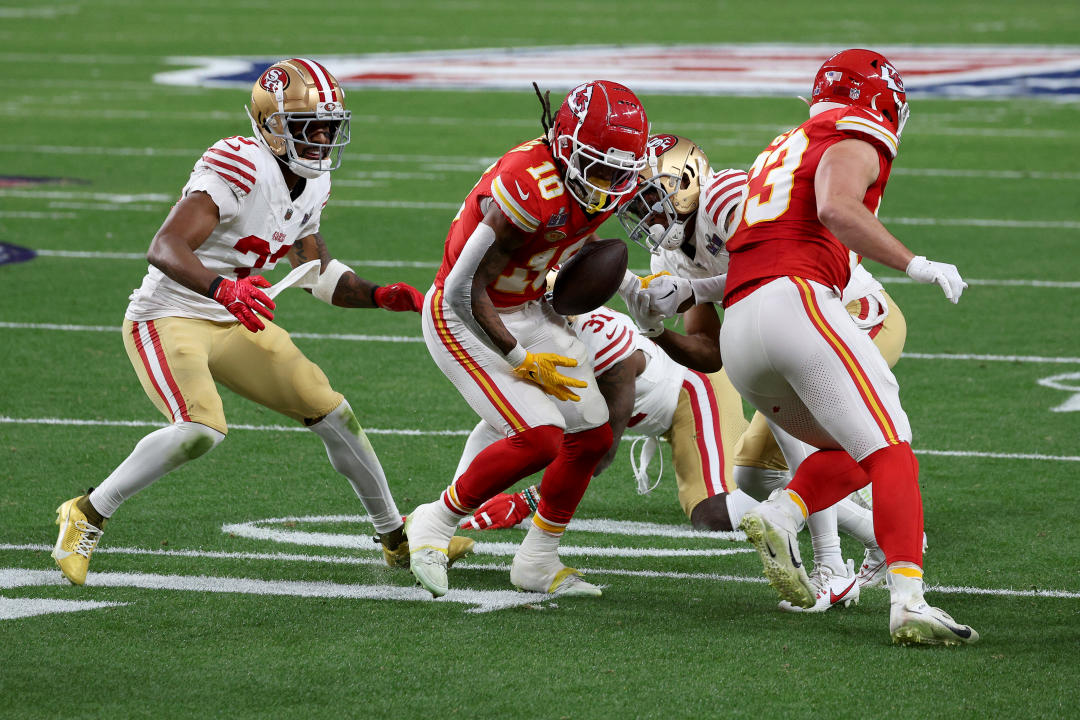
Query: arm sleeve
[[458, 285]]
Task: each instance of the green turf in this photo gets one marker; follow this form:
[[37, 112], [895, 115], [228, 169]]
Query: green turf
[[79, 94]]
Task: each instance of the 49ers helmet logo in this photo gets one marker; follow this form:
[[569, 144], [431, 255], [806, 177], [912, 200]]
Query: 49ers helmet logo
[[274, 79], [660, 144]]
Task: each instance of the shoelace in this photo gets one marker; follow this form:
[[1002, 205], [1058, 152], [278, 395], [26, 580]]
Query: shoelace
[[88, 539], [639, 463]]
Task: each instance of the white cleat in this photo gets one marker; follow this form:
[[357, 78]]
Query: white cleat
[[429, 542], [831, 589], [923, 624], [774, 535], [550, 576], [872, 571]]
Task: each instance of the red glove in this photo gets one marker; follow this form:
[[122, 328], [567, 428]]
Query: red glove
[[399, 297], [241, 297], [503, 511]]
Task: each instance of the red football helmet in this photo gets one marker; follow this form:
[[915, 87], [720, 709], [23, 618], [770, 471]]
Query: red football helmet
[[599, 134], [866, 79]]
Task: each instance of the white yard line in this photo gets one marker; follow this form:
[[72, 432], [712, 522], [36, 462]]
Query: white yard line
[[471, 565], [408, 432], [417, 339]]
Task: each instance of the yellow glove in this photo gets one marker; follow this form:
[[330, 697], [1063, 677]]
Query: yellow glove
[[540, 368], [649, 278]]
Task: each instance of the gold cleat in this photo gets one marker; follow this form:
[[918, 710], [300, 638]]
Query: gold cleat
[[399, 556], [76, 541]]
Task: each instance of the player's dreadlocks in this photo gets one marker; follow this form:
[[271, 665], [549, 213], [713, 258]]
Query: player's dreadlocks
[[546, 120]]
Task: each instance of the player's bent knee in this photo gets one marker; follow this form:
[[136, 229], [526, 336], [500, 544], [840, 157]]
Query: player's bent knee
[[198, 439], [711, 514], [757, 482]]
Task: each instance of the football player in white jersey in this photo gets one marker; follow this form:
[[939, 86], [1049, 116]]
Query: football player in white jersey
[[201, 317], [699, 414], [684, 213]]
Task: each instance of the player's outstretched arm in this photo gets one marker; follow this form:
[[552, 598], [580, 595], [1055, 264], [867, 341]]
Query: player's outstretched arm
[[339, 284], [845, 172], [617, 387], [699, 348]]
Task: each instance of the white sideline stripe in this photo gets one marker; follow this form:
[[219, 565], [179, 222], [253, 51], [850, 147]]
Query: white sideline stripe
[[8, 420], [992, 174], [482, 600], [903, 280], [983, 222], [414, 339], [35, 215], [345, 560]]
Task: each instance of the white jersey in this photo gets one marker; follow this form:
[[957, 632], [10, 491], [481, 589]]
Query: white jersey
[[258, 224], [705, 253], [611, 337]]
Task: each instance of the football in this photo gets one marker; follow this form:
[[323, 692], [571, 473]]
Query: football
[[589, 279]]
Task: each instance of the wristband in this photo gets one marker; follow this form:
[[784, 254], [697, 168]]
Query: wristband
[[374, 302], [328, 281], [516, 356], [532, 497], [214, 286]]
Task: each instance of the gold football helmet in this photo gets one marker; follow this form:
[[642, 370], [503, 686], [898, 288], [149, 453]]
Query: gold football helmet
[[667, 195], [292, 103]]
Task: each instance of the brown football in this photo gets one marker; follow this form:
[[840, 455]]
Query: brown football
[[589, 279]]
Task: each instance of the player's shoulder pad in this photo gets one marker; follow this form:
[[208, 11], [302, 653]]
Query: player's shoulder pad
[[721, 193], [516, 186], [868, 125], [235, 160], [608, 335]]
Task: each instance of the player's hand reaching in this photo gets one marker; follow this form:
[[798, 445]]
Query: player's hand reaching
[[399, 297], [542, 369], [665, 293], [244, 299], [945, 275], [503, 511]]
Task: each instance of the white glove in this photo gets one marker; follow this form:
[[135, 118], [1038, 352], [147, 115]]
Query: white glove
[[665, 293], [637, 303], [927, 271]]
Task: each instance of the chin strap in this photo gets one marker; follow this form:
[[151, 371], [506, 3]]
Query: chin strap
[[639, 463]]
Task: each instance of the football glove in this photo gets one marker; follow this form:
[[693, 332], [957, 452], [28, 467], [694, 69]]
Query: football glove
[[945, 275], [243, 299], [399, 297], [665, 293], [541, 368], [504, 510]]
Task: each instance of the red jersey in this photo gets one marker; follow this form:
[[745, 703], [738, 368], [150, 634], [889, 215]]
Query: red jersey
[[779, 233], [526, 186]]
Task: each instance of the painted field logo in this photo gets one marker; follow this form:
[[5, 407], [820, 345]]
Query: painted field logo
[[753, 69]]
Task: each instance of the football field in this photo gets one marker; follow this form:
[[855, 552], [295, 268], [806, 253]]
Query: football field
[[246, 584]]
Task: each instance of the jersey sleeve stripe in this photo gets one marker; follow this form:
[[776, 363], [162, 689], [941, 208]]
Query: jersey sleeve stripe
[[517, 214], [233, 156], [621, 354], [224, 171], [717, 206], [862, 125]]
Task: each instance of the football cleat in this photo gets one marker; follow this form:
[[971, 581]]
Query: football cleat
[[429, 543], [549, 575], [832, 588], [76, 541], [774, 535], [920, 623], [872, 571], [399, 557]]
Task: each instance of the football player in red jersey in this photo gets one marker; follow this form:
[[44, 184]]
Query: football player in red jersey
[[195, 321], [516, 363], [792, 350]]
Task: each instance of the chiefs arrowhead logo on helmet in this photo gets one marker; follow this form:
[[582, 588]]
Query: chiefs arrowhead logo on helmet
[[578, 100]]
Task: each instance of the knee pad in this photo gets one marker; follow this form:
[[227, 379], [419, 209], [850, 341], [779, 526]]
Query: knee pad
[[197, 439], [759, 483]]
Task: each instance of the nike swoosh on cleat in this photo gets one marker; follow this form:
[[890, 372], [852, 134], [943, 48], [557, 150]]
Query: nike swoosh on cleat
[[834, 598], [767, 547], [794, 562], [963, 631]]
